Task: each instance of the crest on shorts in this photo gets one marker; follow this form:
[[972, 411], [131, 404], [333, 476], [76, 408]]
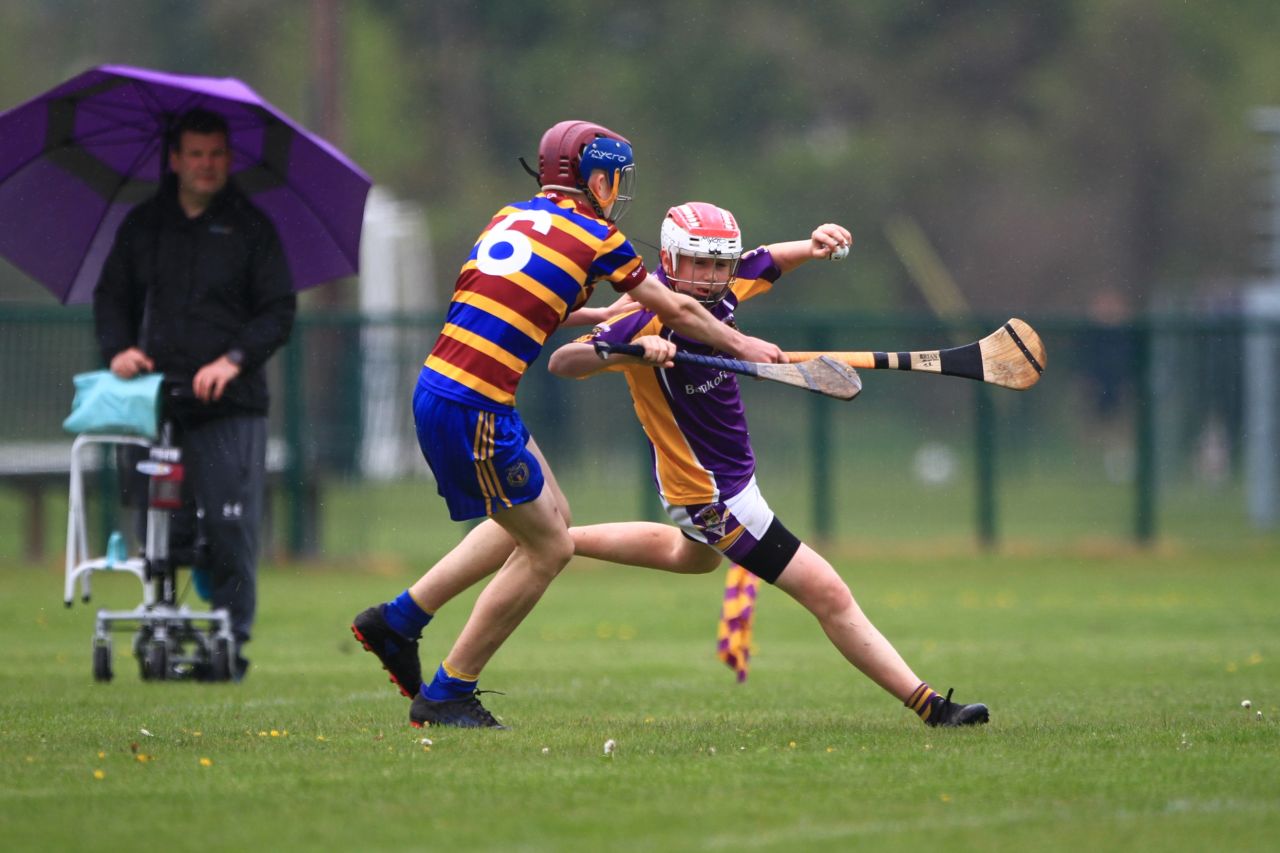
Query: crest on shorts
[[517, 475], [712, 520]]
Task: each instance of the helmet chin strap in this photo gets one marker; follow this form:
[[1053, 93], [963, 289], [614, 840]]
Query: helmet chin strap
[[591, 197], [531, 172], [596, 204]]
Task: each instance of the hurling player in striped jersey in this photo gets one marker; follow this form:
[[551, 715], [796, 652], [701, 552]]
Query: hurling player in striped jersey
[[533, 265], [704, 465]]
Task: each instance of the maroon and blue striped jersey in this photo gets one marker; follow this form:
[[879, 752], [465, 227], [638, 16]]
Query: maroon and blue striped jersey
[[535, 263]]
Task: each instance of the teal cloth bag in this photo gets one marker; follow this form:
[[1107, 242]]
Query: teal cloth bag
[[105, 403]]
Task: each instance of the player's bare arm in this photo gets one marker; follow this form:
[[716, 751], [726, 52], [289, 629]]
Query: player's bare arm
[[826, 241], [596, 316], [690, 319], [587, 317], [576, 360], [622, 303]]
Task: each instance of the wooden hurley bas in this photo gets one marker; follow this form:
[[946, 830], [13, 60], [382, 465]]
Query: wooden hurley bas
[[829, 377], [1012, 356]]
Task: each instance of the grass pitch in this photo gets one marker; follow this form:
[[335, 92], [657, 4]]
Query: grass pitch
[[1115, 684]]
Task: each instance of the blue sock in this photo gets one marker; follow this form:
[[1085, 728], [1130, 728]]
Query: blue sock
[[448, 685], [405, 616]]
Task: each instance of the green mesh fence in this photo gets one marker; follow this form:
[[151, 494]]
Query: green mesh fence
[[1136, 433]]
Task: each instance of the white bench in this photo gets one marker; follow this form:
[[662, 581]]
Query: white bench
[[33, 467]]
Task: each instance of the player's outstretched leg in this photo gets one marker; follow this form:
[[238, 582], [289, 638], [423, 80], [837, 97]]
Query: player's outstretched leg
[[543, 547], [391, 630], [645, 544], [811, 580]]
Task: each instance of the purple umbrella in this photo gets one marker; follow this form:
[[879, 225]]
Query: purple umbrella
[[76, 159]]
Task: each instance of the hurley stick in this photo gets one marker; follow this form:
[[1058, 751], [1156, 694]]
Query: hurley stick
[[1012, 356], [819, 373]]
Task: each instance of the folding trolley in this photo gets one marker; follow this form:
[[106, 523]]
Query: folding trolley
[[170, 640]]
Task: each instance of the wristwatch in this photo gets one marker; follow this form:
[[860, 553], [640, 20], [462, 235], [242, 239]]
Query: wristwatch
[[235, 355]]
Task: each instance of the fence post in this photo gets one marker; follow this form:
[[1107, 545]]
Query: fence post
[[820, 451], [985, 444], [295, 469], [1144, 517]]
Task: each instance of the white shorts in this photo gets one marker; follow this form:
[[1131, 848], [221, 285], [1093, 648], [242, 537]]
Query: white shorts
[[744, 529], [723, 523]]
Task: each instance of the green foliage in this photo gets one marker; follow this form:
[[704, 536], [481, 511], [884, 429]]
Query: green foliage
[[1049, 150], [1115, 684]]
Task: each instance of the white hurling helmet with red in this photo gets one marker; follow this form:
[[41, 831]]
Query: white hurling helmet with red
[[701, 230]]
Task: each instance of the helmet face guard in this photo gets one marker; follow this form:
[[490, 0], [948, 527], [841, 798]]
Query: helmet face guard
[[571, 150], [701, 246]]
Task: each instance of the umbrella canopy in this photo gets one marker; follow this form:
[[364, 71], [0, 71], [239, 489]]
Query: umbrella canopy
[[74, 160]]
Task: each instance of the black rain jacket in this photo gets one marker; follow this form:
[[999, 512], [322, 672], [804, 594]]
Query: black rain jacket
[[186, 291]]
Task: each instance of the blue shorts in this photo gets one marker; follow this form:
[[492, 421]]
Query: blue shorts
[[480, 459]]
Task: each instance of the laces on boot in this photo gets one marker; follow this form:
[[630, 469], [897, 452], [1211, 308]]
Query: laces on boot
[[472, 703]]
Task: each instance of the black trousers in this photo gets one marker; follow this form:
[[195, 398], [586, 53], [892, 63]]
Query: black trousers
[[219, 530], [226, 462]]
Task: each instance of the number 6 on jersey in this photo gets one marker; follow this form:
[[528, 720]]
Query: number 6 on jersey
[[492, 260]]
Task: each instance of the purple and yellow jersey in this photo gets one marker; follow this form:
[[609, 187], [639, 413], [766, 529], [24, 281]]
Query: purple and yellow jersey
[[536, 262], [693, 415]]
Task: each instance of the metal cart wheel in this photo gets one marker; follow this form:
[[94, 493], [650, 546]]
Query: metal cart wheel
[[155, 663], [102, 661], [220, 659]]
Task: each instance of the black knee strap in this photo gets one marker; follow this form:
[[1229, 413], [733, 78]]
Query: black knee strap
[[773, 553]]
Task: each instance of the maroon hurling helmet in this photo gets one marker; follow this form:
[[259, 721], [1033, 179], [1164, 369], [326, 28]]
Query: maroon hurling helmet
[[560, 152]]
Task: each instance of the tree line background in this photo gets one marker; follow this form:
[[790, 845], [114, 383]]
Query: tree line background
[[1055, 154]]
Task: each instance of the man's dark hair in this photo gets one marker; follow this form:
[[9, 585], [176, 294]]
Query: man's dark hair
[[197, 121]]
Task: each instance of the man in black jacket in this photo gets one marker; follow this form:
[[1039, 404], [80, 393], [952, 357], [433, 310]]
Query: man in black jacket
[[196, 286]]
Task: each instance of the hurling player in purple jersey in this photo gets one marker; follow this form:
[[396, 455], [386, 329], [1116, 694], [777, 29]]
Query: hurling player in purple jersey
[[704, 466], [535, 263]]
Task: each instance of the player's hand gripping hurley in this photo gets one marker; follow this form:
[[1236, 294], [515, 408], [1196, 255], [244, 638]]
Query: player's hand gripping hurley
[[1012, 356], [819, 373]]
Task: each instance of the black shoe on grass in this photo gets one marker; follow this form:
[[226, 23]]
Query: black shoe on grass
[[464, 713], [948, 714], [399, 654]]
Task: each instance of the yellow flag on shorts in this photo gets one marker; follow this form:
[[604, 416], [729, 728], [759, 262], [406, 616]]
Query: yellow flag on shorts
[[733, 637]]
